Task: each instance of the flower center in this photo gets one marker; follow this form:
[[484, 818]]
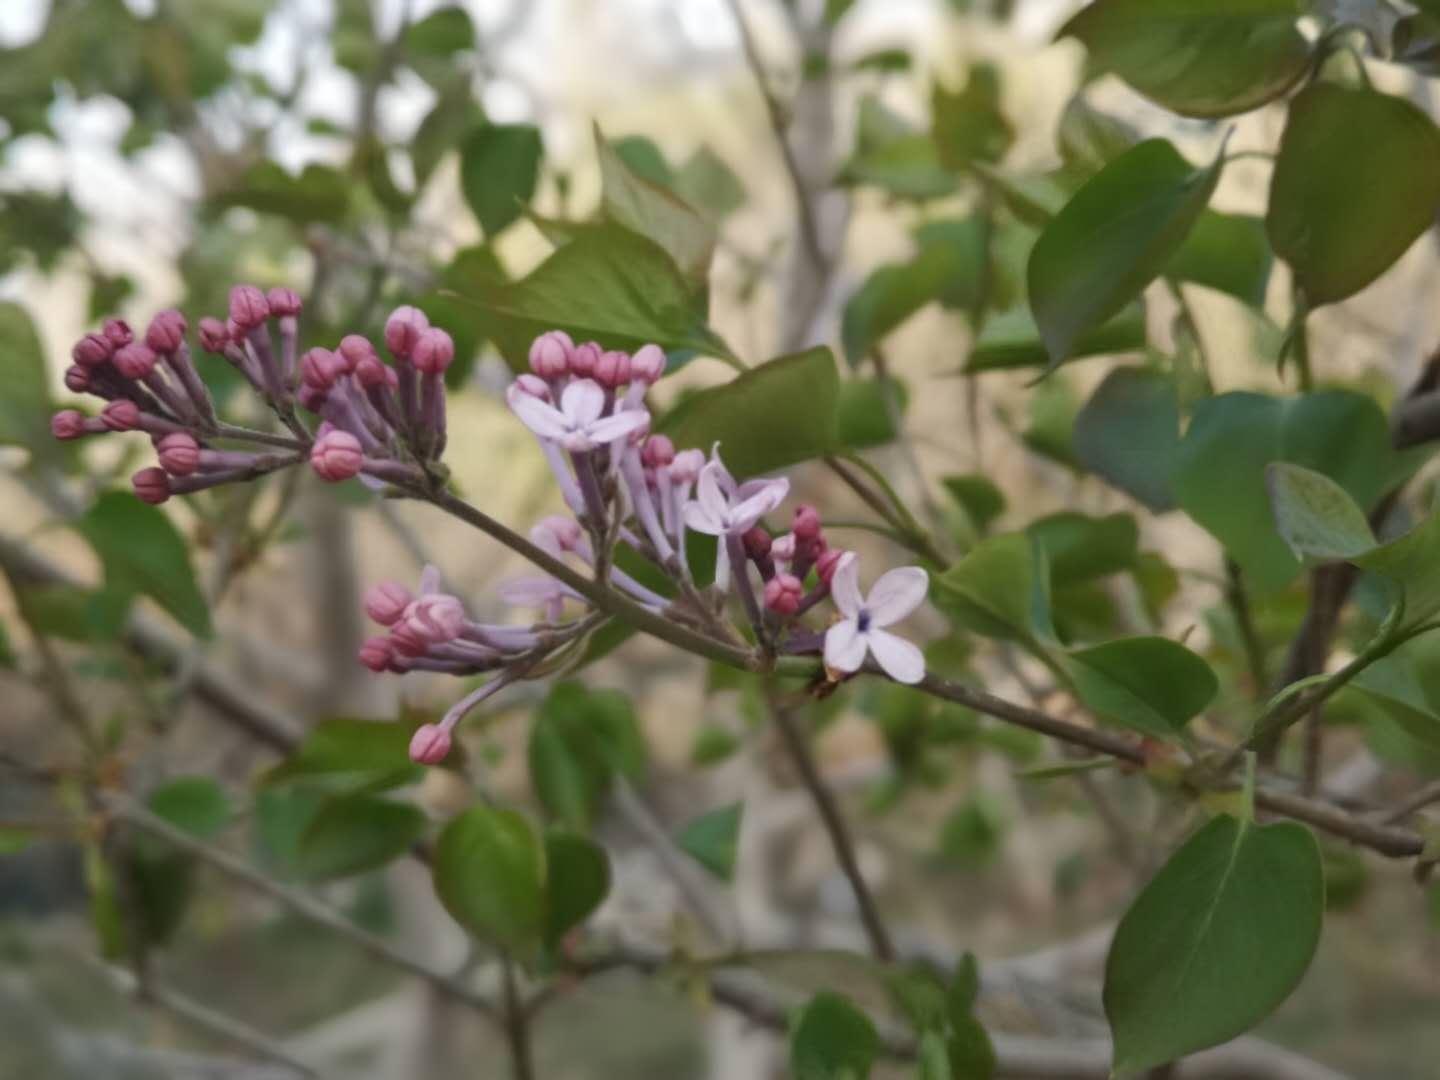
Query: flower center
[[862, 621]]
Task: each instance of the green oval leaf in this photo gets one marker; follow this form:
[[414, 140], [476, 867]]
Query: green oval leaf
[[577, 877], [1128, 434], [1215, 942], [490, 875], [499, 168], [196, 804], [1357, 180], [1315, 515], [350, 748], [356, 833], [712, 839], [1197, 57], [1012, 339], [999, 589], [832, 1040], [1151, 684], [1227, 252], [1112, 239]]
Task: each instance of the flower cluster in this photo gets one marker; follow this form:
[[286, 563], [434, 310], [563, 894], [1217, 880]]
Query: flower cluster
[[383, 422], [625, 486]]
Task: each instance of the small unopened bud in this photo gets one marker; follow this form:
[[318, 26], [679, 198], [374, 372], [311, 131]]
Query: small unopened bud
[[806, 523], [336, 456], [92, 350], [166, 332], [179, 453], [151, 485], [406, 641], [117, 332], [433, 352], [403, 330], [386, 602], [372, 371], [566, 531], [826, 565], [248, 307], [783, 594], [213, 335], [283, 302], [533, 385], [783, 547], [648, 364], [311, 398], [355, 348], [658, 452], [612, 369], [319, 368], [430, 744], [376, 653], [756, 541], [550, 354], [67, 424], [135, 360], [583, 359], [77, 379], [686, 466], [122, 414], [435, 618]]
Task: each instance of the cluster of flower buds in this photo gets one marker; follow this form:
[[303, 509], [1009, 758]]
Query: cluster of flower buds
[[382, 422], [624, 485]]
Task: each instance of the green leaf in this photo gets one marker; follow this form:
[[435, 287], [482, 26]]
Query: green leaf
[[1215, 942], [453, 114], [713, 745], [1080, 548], [196, 804], [1012, 339], [832, 1040], [1410, 562], [1357, 180], [490, 875], [143, 553], [579, 742], [892, 155], [1393, 683], [608, 284], [1227, 252], [967, 239], [577, 879], [440, 35], [1197, 57], [862, 415], [708, 184], [25, 405], [355, 833], [73, 613], [319, 194], [978, 496], [1150, 684], [1088, 139], [712, 839], [780, 413], [999, 589], [972, 1054], [934, 1058], [968, 125], [1112, 239], [499, 169], [1315, 515], [351, 748], [1128, 434], [1220, 470], [645, 207], [893, 293]]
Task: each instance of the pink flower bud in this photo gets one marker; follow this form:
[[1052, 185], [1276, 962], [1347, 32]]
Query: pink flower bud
[[117, 332], [179, 453], [248, 307], [533, 385], [566, 531], [806, 524], [92, 350], [658, 452], [122, 414], [612, 369], [403, 330], [372, 371], [435, 618], [376, 654], [166, 332], [336, 456], [433, 352], [405, 641], [783, 594], [355, 348], [756, 541], [67, 424], [319, 368], [135, 360], [213, 335], [825, 565], [77, 379], [311, 398], [686, 466], [283, 302], [386, 602], [783, 547], [550, 354], [648, 364], [151, 485], [429, 745], [583, 359]]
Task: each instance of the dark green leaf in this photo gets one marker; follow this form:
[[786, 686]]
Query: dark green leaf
[[318, 194], [1151, 684], [1315, 515], [490, 875], [453, 114], [196, 804], [25, 405], [1128, 433], [893, 293], [577, 878], [1012, 340], [1228, 252], [999, 589], [499, 168], [863, 414], [969, 126], [832, 1040], [344, 746], [440, 35], [712, 839], [1215, 942], [1080, 547], [967, 238], [355, 833], [76, 614], [1089, 139], [1393, 683], [645, 207]]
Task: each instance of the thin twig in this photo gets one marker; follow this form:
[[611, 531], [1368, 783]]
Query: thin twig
[[1426, 796], [517, 1023]]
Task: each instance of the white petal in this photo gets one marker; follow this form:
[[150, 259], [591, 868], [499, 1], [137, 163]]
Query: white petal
[[709, 495], [700, 520], [896, 594], [429, 579], [529, 591], [722, 474], [845, 585], [845, 646], [611, 428], [901, 660], [540, 418], [578, 442], [582, 402], [765, 498]]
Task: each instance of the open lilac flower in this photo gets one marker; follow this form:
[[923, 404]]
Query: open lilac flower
[[721, 507], [577, 425], [861, 630]]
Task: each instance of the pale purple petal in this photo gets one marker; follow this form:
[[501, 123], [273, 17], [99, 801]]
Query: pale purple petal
[[722, 474], [901, 660], [766, 497], [844, 646], [709, 495], [529, 591], [540, 418], [429, 580], [582, 402], [845, 585], [896, 594], [615, 427], [700, 520]]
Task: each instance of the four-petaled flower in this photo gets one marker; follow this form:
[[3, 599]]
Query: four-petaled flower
[[577, 424], [723, 508], [861, 628]]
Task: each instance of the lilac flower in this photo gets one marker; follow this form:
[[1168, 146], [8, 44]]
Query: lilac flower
[[722, 508], [577, 425], [861, 630]]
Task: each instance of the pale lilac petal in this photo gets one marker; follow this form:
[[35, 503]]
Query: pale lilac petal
[[845, 646], [896, 594], [901, 660], [540, 418], [766, 498], [578, 442], [722, 474], [700, 520], [618, 426], [429, 580], [845, 585], [709, 495], [582, 402], [529, 591]]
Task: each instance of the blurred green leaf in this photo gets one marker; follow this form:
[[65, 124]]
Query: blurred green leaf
[[1228, 252], [353, 748], [968, 125], [577, 879], [967, 239], [25, 406], [319, 194], [713, 838], [1150, 684], [1128, 434], [499, 170], [978, 496], [832, 1040], [1315, 515], [1089, 139], [355, 833], [643, 206], [1079, 547], [999, 589], [454, 113], [1012, 340], [440, 35], [862, 415], [490, 875], [893, 293], [196, 804], [708, 184], [892, 155]]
